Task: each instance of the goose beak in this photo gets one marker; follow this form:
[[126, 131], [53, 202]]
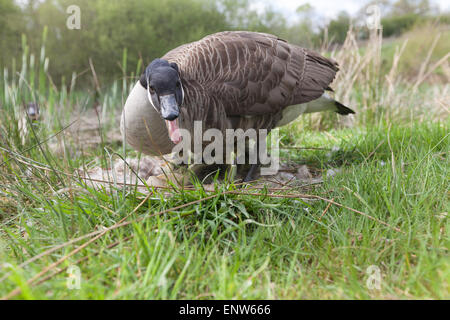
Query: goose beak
[[170, 113], [169, 107]]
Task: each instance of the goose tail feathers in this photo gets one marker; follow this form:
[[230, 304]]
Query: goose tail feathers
[[341, 109]]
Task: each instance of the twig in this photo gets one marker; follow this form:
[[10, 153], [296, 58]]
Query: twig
[[374, 150], [94, 74], [326, 209], [324, 199], [305, 148]]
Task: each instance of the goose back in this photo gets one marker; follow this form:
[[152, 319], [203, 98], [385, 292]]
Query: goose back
[[247, 74]]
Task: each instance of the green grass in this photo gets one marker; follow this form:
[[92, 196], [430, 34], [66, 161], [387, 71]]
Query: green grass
[[250, 247]]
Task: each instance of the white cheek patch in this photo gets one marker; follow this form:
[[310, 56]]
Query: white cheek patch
[[151, 101], [182, 92]]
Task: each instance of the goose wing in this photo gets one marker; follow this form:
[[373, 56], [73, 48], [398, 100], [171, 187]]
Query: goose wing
[[249, 73]]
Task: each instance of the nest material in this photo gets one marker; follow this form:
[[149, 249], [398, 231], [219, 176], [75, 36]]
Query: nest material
[[159, 172]]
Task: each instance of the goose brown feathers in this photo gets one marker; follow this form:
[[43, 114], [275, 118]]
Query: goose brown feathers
[[248, 74]]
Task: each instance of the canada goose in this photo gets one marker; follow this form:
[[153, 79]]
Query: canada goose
[[32, 112], [227, 80]]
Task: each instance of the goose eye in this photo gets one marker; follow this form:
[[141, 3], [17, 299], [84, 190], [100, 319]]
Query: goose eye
[[178, 84], [152, 89]]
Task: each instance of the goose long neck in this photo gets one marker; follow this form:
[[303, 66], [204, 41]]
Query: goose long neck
[[142, 126]]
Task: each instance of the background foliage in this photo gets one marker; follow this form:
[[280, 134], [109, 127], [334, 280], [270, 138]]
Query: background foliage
[[149, 28]]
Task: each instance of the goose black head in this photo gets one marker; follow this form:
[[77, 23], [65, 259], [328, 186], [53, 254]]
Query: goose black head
[[163, 84], [165, 92]]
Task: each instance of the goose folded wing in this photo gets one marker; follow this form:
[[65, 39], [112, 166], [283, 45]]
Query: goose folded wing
[[251, 73]]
